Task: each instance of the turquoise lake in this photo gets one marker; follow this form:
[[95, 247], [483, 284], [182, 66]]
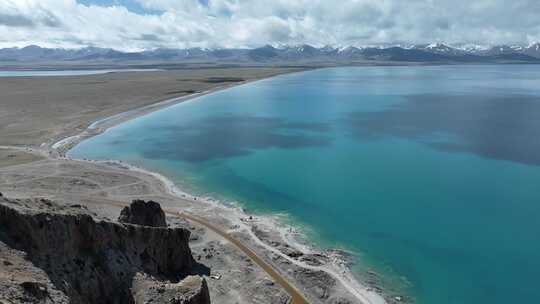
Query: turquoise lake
[[430, 174], [34, 73]]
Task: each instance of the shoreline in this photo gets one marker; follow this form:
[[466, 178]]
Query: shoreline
[[68, 72], [59, 147], [337, 268]]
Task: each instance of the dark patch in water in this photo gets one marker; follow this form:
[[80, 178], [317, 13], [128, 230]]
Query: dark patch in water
[[497, 127], [227, 136]]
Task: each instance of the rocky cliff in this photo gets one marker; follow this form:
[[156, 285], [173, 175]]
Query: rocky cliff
[[143, 213], [86, 260]]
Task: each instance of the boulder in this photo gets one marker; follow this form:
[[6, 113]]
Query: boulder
[[144, 214], [191, 290]]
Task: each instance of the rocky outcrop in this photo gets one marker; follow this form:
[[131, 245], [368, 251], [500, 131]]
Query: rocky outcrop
[[97, 261], [143, 213], [191, 290]]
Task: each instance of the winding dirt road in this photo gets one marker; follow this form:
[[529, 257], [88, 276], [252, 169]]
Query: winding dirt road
[[296, 296]]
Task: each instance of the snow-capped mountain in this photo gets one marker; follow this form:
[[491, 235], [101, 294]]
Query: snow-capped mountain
[[471, 48], [503, 49], [349, 52], [532, 50], [440, 48], [435, 52]]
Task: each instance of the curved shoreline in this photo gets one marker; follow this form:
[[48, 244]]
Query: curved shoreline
[[60, 147], [336, 268]]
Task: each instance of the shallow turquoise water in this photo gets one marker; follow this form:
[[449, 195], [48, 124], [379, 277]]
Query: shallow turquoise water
[[432, 174], [66, 72]]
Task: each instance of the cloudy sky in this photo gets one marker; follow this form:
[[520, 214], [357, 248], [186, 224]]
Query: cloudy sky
[[147, 24]]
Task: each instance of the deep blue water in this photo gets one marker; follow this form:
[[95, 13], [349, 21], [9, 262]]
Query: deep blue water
[[430, 174]]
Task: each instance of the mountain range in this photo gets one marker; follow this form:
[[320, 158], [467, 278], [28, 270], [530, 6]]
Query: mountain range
[[436, 52]]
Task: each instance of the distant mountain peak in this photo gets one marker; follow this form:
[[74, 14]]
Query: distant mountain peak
[[268, 46], [436, 45], [32, 47], [437, 51], [534, 46], [440, 48]]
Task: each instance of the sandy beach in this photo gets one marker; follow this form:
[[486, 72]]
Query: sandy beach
[[33, 164]]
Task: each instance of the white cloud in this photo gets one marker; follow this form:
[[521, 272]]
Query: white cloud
[[250, 23]]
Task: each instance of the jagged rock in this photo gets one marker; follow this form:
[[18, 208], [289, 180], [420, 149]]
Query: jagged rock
[[192, 290], [98, 261], [340, 301], [143, 213], [312, 259], [36, 290], [318, 282], [292, 252]]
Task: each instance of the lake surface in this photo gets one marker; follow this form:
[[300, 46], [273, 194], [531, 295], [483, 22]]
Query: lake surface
[[430, 174], [66, 72]]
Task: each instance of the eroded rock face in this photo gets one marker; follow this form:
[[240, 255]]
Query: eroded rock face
[[99, 261], [144, 214], [191, 290]]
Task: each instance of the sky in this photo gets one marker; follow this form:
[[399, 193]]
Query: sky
[[133, 25]]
